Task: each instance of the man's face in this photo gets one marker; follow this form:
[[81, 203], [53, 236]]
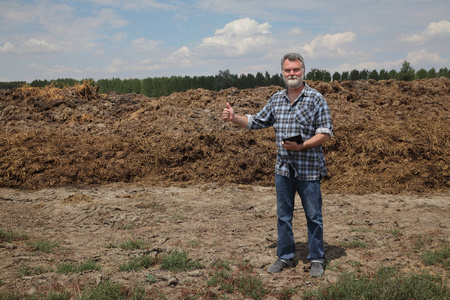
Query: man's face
[[293, 73]]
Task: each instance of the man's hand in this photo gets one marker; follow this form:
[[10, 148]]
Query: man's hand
[[228, 113], [292, 146], [315, 141]]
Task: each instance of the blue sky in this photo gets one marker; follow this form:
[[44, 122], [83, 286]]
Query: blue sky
[[104, 39]]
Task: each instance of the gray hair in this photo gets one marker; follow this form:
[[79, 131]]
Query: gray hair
[[293, 57]]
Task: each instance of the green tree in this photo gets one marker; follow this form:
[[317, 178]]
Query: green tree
[[374, 75], [364, 74], [354, 74], [393, 74], [421, 74], [259, 79], [406, 73], [384, 75], [443, 72], [432, 73], [223, 80], [345, 76], [336, 76]]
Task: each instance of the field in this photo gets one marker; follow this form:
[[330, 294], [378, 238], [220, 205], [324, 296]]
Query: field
[[110, 186]]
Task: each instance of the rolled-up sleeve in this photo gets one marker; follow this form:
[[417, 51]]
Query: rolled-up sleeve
[[324, 123]]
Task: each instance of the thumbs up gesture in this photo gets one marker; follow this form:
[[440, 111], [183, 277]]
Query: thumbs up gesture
[[228, 113]]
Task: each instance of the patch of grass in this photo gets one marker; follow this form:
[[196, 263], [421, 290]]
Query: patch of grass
[[221, 264], [65, 268], [137, 264], [35, 296], [9, 236], [334, 265], [43, 245], [150, 278], [128, 226], [354, 244], [286, 293], [110, 290], [387, 284], [223, 280], [179, 261], [250, 285], [355, 263], [395, 231], [28, 271], [437, 257], [360, 229], [195, 243], [132, 244]]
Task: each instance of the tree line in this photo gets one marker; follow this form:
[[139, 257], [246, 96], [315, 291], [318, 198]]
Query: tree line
[[163, 86]]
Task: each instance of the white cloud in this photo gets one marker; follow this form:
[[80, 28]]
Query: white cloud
[[134, 5], [115, 65], [36, 45], [54, 70], [7, 48], [330, 45], [144, 45], [119, 37], [423, 57], [180, 58], [238, 38], [181, 53], [434, 31], [295, 31]]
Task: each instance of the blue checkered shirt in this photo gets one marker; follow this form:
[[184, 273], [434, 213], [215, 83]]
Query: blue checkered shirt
[[309, 115]]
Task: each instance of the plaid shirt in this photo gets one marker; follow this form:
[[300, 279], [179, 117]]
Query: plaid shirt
[[309, 115]]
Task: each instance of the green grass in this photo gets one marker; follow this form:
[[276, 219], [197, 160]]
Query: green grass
[[130, 244], [65, 268], [360, 229], [109, 290], [250, 286], [354, 244], [137, 264], [386, 284], [28, 271], [36, 296], [43, 245], [223, 279], [247, 284], [395, 231], [150, 278], [437, 257], [179, 261], [9, 236], [221, 264], [286, 293], [133, 244]]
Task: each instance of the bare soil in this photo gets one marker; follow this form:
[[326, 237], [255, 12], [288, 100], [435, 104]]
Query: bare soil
[[90, 170]]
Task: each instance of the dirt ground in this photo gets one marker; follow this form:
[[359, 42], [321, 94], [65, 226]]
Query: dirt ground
[[89, 171]]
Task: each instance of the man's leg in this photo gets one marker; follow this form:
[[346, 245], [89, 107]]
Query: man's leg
[[285, 190], [285, 209], [311, 196]]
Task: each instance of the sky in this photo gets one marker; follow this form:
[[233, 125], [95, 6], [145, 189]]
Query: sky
[[104, 39]]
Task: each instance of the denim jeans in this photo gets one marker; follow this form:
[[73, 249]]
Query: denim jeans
[[311, 197]]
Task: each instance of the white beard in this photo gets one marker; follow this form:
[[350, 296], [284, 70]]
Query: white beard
[[293, 82]]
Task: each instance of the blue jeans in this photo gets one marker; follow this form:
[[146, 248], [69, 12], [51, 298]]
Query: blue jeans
[[311, 197]]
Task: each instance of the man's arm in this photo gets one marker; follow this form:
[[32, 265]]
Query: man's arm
[[229, 115], [315, 141]]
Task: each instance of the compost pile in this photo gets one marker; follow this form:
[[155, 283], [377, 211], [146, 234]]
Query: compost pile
[[390, 137]]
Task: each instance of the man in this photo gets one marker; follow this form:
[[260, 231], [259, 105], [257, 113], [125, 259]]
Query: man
[[299, 110]]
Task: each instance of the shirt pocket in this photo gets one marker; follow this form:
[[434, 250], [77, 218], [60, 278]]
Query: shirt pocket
[[304, 117]]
